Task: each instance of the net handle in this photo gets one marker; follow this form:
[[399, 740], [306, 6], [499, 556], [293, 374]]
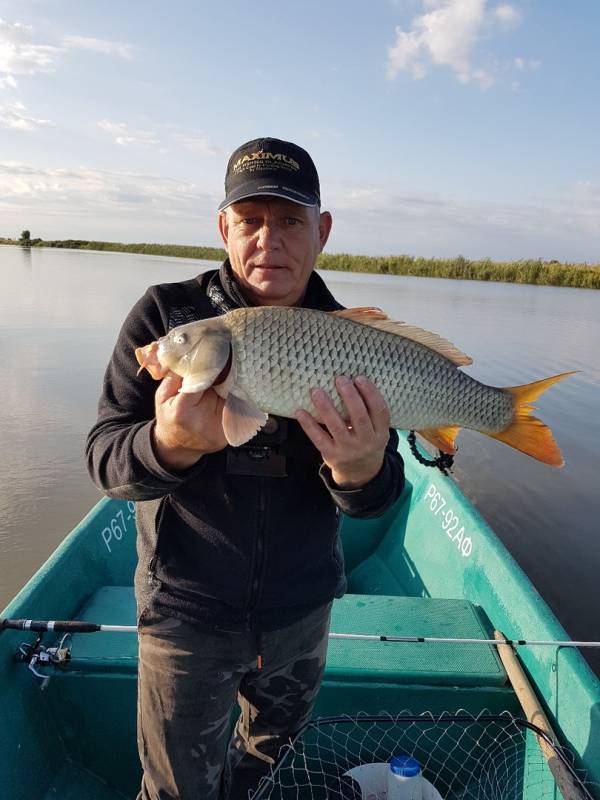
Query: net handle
[[535, 714]]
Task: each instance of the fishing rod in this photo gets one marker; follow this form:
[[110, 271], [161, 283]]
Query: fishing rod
[[78, 626]]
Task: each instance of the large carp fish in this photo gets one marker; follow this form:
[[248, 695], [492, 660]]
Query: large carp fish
[[265, 360]]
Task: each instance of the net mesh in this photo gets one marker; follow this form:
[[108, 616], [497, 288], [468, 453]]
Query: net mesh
[[488, 757]]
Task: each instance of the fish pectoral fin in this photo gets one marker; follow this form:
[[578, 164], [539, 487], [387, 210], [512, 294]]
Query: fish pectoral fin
[[242, 419], [363, 314], [442, 438]]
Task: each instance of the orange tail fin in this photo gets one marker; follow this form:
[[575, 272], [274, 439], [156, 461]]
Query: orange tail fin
[[527, 433]]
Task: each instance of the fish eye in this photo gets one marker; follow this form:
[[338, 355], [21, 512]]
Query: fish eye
[[181, 338]]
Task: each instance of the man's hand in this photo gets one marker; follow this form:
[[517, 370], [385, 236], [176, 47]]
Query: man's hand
[[353, 449], [188, 426]]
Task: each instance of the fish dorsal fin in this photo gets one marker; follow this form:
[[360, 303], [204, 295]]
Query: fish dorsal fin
[[364, 314], [431, 340], [376, 318]]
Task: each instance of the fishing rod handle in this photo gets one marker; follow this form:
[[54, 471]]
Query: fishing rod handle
[[64, 626]]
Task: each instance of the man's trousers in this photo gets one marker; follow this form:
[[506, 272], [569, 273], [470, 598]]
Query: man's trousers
[[189, 681]]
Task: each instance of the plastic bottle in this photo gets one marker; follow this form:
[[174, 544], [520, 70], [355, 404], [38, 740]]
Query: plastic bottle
[[404, 779]]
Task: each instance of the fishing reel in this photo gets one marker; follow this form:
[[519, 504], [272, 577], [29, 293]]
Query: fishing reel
[[35, 655]]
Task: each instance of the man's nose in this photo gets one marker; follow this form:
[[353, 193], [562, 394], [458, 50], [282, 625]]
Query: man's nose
[[269, 236]]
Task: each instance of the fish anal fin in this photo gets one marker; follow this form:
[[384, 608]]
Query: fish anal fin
[[442, 438], [241, 420], [526, 432], [363, 314]]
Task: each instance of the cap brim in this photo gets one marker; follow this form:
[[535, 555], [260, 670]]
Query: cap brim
[[260, 188]]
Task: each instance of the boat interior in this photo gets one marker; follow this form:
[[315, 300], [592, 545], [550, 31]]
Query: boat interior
[[415, 572]]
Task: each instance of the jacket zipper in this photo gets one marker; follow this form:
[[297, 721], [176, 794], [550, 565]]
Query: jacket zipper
[[259, 551]]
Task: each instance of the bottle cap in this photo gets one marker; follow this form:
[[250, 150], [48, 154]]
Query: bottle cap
[[406, 766]]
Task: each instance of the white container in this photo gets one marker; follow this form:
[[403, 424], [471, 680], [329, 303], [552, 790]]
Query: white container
[[404, 779]]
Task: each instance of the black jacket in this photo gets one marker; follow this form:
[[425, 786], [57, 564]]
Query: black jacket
[[225, 543]]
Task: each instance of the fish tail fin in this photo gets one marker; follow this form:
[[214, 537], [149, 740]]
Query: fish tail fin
[[526, 432]]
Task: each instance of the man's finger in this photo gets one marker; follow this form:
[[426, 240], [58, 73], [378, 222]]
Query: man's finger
[[375, 402], [328, 414], [318, 436], [169, 387], [358, 413]]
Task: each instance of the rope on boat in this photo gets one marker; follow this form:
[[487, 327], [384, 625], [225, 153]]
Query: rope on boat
[[79, 626], [443, 462]]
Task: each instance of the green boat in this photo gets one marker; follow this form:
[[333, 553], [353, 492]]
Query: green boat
[[430, 568]]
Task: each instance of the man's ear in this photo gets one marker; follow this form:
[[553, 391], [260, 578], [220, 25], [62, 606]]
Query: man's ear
[[223, 226], [325, 223]]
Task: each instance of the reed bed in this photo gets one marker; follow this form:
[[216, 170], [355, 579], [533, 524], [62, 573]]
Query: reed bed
[[532, 271]]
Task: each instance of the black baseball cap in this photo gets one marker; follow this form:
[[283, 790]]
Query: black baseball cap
[[271, 167]]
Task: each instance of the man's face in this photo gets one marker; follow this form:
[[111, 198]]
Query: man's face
[[273, 244]]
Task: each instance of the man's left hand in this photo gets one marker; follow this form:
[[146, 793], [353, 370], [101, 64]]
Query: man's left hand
[[352, 448]]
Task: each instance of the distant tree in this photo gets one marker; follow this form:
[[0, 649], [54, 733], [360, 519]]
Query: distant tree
[[25, 237]]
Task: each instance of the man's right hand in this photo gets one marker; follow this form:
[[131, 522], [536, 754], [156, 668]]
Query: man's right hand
[[188, 426]]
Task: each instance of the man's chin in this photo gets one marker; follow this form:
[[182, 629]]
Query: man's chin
[[274, 290]]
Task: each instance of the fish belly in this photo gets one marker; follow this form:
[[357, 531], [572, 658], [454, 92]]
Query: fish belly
[[282, 353]]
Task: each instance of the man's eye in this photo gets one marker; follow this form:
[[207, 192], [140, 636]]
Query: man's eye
[[292, 220]]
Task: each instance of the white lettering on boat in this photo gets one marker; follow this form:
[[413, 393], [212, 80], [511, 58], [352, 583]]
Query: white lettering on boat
[[450, 522], [117, 527]]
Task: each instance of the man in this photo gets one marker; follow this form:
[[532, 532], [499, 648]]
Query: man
[[239, 552]]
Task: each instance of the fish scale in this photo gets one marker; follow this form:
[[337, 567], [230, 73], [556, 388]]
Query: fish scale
[[281, 353]]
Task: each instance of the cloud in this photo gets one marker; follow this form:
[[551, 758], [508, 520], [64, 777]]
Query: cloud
[[161, 137], [89, 191], [8, 83], [507, 15], [20, 55], [526, 65], [12, 116], [373, 220], [125, 137], [106, 205], [103, 46], [447, 36], [197, 142]]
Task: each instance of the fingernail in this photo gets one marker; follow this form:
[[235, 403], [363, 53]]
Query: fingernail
[[317, 393], [360, 379], [342, 380]]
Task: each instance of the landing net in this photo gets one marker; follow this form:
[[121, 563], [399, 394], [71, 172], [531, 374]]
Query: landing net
[[488, 757]]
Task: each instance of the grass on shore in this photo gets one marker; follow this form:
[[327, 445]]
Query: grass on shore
[[533, 271]]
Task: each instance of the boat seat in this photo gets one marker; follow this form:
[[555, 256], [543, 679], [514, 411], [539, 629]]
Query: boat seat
[[351, 660], [347, 660]]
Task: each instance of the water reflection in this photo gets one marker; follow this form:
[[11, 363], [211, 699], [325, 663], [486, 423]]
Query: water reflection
[[60, 312]]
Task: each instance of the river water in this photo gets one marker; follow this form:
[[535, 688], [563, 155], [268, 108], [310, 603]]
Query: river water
[[60, 312]]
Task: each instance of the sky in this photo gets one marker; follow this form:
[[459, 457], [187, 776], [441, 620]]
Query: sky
[[438, 127]]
